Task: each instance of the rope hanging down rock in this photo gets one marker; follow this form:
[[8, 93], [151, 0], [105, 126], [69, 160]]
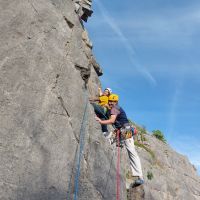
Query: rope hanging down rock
[[81, 148], [78, 157], [78, 154]]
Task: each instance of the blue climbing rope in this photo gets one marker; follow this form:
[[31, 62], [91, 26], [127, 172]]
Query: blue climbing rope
[[81, 148], [76, 158], [72, 172]]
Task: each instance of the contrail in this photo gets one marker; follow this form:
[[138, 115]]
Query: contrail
[[175, 102], [129, 48]]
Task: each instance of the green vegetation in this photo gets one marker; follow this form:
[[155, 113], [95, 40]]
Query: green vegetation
[[143, 130], [146, 148], [140, 138], [149, 175], [159, 135]]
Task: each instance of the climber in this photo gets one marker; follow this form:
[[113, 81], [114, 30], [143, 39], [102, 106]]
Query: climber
[[119, 119], [101, 107]]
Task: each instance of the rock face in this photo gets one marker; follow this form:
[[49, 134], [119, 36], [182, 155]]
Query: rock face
[[168, 175], [47, 72], [47, 126]]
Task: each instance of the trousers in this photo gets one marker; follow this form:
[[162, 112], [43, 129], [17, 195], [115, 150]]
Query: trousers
[[133, 158], [102, 114]]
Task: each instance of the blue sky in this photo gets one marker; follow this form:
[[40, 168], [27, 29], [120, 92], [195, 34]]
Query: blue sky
[[150, 54]]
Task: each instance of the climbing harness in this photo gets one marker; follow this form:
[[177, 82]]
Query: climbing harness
[[78, 156], [124, 133]]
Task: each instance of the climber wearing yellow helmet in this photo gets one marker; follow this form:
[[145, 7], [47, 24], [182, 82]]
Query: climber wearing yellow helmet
[[119, 119]]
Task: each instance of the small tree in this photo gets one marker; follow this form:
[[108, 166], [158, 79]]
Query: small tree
[[158, 134]]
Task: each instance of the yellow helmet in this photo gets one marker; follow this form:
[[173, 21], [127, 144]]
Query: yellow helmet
[[113, 97]]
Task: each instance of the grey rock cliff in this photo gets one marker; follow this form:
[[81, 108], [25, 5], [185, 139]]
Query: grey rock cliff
[[174, 177], [168, 174], [47, 73]]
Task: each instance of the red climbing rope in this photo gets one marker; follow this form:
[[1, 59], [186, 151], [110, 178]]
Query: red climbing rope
[[118, 167]]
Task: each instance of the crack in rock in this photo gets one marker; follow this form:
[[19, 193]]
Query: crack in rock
[[85, 72], [56, 81], [65, 109], [69, 23], [63, 105]]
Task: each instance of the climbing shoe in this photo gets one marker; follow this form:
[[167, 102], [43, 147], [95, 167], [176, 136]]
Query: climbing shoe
[[136, 183], [108, 135], [105, 134]]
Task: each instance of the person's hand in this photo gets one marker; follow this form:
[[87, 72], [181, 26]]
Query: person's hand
[[100, 91]]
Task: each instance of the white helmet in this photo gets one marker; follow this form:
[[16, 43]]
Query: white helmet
[[110, 91]]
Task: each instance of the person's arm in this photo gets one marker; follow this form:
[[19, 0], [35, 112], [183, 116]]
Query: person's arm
[[100, 92], [94, 99], [108, 121]]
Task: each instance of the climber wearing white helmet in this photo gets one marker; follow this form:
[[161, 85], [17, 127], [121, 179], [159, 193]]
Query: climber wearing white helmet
[[109, 90], [101, 107]]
